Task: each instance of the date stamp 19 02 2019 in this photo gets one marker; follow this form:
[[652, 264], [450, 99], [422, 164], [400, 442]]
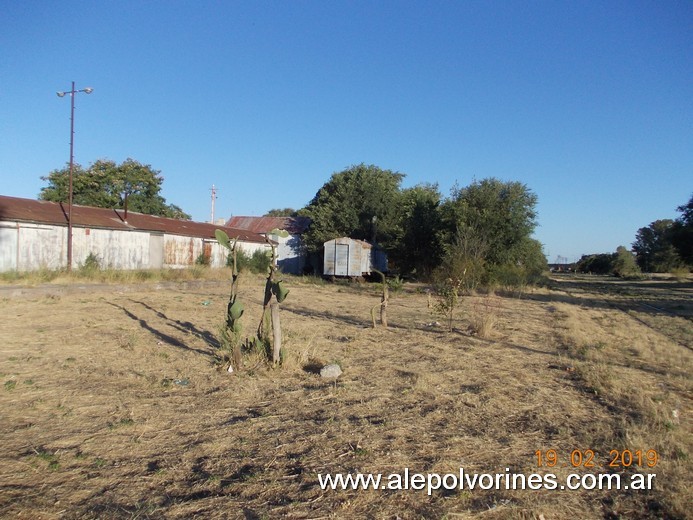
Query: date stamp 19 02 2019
[[589, 459]]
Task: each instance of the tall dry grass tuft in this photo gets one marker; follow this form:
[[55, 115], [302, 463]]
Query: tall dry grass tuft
[[680, 274], [483, 315]]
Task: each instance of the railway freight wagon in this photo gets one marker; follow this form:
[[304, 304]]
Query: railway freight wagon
[[352, 258]]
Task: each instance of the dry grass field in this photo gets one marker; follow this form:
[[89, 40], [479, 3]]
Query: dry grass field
[[113, 404]]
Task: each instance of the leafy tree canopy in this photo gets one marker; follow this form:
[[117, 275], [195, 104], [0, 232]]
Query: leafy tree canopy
[[682, 232], [500, 214], [624, 263], [686, 213], [106, 184], [484, 225], [281, 212], [621, 263], [360, 202], [596, 264], [654, 249], [418, 249]]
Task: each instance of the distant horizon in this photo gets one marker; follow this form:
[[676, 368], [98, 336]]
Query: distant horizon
[[550, 259], [223, 221]]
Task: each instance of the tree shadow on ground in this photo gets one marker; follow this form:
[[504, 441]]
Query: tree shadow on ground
[[184, 326], [327, 315], [657, 299], [363, 324], [165, 338]]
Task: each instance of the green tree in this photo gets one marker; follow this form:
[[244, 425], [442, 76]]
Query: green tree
[[502, 214], [602, 263], [281, 212], [624, 264], [682, 232], [654, 249], [418, 250], [360, 202], [531, 259], [463, 265], [106, 184]]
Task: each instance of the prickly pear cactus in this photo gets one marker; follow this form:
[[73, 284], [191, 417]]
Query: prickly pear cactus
[[234, 309], [273, 288], [280, 291]]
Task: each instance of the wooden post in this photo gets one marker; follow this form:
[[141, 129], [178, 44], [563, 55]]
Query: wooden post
[[277, 331], [383, 304], [383, 300]]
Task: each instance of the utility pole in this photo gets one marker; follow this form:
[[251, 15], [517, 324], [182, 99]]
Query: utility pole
[[214, 197], [72, 93]]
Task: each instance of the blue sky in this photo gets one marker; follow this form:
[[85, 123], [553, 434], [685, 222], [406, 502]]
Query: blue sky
[[588, 103]]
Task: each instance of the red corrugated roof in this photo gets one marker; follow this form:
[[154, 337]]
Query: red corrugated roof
[[28, 210], [294, 225]]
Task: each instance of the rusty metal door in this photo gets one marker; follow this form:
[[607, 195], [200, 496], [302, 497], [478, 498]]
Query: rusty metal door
[[207, 251]]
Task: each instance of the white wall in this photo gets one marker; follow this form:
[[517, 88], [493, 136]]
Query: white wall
[[8, 247], [30, 247], [114, 249]]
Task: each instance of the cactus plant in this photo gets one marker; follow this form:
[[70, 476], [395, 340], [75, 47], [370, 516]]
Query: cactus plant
[[232, 330], [276, 288], [384, 299]]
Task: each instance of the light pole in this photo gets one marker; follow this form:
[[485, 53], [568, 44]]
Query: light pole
[[72, 93]]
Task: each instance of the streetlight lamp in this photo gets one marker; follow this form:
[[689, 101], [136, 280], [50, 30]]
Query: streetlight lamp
[[72, 93]]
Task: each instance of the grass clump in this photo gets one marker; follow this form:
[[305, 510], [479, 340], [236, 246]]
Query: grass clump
[[50, 458], [31, 277], [484, 316], [680, 273]]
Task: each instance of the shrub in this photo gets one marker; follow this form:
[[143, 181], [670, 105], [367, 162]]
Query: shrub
[[680, 273], [513, 278], [624, 265], [203, 259], [91, 264], [258, 262], [448, 292], [463, 271], [395, 284]]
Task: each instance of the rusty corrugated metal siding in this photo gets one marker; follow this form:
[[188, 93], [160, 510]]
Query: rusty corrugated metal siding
[[28, 210], [33, 235], [294, 225]]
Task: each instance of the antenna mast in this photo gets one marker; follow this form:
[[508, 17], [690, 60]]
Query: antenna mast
[[214, 197]]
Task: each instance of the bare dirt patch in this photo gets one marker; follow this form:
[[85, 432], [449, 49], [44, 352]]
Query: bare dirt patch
[[113, 405]]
